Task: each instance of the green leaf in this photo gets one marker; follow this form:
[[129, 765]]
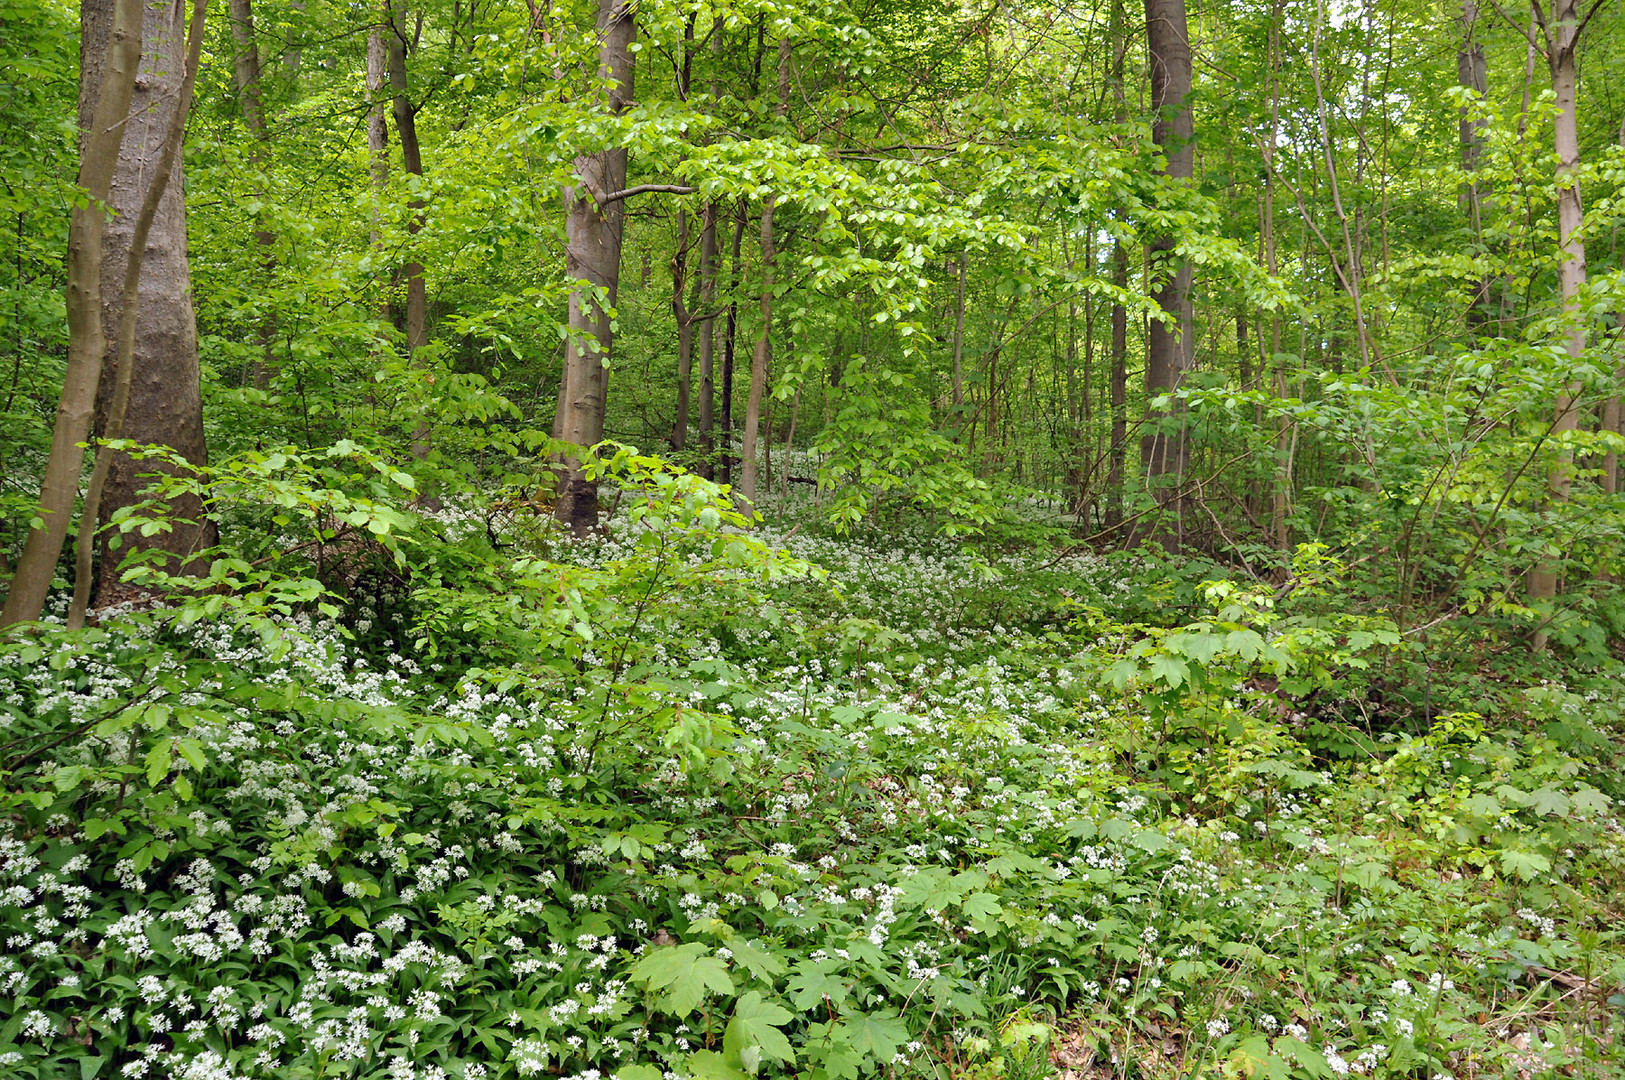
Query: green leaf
[[710, 1065], [983, 907], [877, 1035], [814, 980], [755, 1024], [158, 762], [682, 974], [764, 965], [1549, 801], [1526, 865], [638, 1072]]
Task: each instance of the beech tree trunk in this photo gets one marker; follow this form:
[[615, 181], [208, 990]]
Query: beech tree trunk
[[1280, 501], [377, 124], [1472, 73], [1118, 454], [685, 332], [708, 337], [1611, 411], [165, 404], [730, 332], [406, 132], [110, 55], [959, 349], [1562, 38], [246, 71], [763, 352], [1168, 345], [592, 256]]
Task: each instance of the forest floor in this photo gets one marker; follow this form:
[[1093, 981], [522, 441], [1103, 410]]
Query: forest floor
[[930, 815]]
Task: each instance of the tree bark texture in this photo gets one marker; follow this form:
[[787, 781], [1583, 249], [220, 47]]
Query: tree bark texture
[[165, 404], [377, 122], [110, 56], [1472, 73], [763, 352], [406, 132], [1168, 344], [1562, 34], [685, 332], [250, 97], [708, 338], [129, 309], [592, 256], [729, 336]]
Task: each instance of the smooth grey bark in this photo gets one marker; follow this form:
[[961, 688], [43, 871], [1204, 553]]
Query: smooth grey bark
[[685, 332], [708, 336], [247, 73], [246, 66], [377, 121], [1562, 31], [592, 256], [959, 348], [129, 310], [762, 354], [729, 336], [110, 56], [1168, 344], [1118, 451], [165, 401], [406, 133]]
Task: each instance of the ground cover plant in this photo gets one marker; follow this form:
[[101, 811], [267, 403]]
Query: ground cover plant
[[816, 539], [882, 810]]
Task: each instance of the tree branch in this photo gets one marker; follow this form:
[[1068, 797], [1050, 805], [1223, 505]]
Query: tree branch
[[640, 189]]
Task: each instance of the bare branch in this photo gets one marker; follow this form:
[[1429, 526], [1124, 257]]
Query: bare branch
[[640, 189]]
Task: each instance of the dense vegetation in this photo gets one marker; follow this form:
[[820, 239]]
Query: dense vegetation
[[975, 540]]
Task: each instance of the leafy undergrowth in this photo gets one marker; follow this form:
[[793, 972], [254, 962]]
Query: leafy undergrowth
[[676, 805]]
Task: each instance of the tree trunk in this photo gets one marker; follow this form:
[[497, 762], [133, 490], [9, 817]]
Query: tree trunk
[[1280, 533], [377, 124], [122, 352], [165, 398], [729, 335], [246, 66], [1472, 73], [406, 133], [1168, 344], [110, 55], [1611, 411], [592, 256], [1564, 26], [764, 344], [246, 71], [685, 331], [959, 350], [1119, 390], [708, 338]]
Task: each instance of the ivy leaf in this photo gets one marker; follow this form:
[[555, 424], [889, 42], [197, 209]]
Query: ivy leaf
[[682, 974]]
